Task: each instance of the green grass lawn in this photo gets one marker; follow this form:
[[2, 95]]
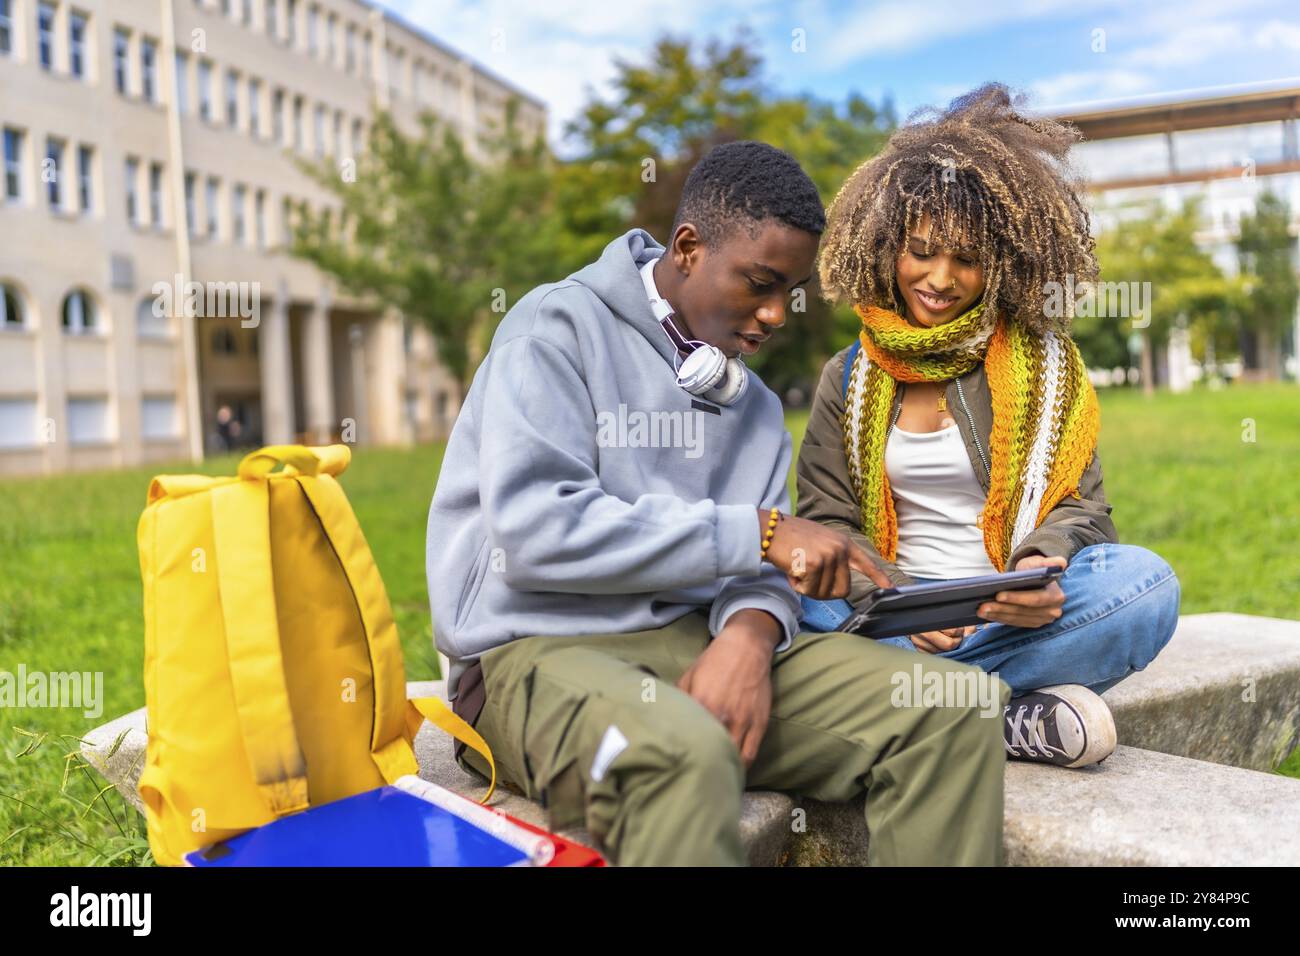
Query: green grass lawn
[[1223, 511]]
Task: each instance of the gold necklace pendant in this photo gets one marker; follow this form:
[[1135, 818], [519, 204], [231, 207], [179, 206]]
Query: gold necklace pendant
[[943, 401]]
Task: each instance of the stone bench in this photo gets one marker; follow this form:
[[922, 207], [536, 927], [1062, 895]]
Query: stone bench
[[1225, 689], [1187, 786]]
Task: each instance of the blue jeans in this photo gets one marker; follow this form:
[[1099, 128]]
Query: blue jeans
[[1121, 609]]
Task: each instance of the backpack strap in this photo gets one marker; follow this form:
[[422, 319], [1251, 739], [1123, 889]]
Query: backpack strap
[[849, 359], [241, 522], [394, 727]]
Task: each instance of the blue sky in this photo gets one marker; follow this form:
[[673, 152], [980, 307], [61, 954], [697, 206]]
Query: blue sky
[[1062, 52]]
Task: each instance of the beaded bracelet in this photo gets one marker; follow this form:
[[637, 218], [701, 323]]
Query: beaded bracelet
[[772, 519]]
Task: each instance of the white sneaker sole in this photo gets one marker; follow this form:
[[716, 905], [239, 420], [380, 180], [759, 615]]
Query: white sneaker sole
[[1099, 724]]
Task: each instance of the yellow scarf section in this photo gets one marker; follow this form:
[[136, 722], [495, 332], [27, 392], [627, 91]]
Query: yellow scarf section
[[1045, 417]]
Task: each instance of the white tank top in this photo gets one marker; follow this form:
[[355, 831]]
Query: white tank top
[[937, 499]]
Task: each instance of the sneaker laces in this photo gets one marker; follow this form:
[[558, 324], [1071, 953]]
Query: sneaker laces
[[1018, 745]]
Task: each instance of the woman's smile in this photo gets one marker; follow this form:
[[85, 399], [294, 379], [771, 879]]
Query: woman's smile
[[935, 302]]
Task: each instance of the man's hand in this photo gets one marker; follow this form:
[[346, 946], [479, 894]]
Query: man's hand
[[1028, 608], [733, 677], [817, 559]]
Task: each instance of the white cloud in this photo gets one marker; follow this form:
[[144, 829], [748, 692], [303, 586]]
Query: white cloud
[[1055, 91], [901, 26], [1190, 45], [1278, 34]]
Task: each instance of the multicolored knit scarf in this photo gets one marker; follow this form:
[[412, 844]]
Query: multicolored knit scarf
[[1045, 417]]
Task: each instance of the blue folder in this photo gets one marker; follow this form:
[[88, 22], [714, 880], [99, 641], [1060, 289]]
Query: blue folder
[[383, 827]]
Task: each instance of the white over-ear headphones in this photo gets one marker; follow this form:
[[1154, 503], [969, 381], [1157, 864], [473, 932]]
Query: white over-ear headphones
[[703, 369]]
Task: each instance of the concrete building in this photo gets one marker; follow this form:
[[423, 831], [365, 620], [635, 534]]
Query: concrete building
[[1225, 147], [153, 140]]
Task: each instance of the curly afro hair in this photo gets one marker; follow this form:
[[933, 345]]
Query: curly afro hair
[[992, 179], [741, 184]]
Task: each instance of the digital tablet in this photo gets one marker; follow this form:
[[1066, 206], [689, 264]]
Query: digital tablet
[[913, 608]]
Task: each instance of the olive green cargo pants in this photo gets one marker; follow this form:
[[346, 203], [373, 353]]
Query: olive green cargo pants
[[595, 728]]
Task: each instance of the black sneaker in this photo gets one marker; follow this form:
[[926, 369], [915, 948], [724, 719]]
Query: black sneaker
[[1066, 724]]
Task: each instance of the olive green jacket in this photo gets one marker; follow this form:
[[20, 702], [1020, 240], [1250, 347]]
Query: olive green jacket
[[825, 493]]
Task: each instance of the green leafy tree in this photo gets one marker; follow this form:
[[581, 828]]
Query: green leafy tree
[[448, 239], [1157, 247], [1266, 250]]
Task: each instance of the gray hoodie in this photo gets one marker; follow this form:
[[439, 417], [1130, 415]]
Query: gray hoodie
[[584, 492]]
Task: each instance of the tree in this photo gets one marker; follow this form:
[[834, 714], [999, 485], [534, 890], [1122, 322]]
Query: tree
[[1266, 252], [427, 229], [1157, 247]]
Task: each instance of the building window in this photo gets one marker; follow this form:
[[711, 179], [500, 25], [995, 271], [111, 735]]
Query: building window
[[286, 221], [356, 138], [291, 21], [158, 421], [273, 18], [366, 65], [132, 187], [210, 198], [6, 27], [277, 117], [191, 215], [149, 70], [121, 54], [337, 141], [11, 308], [18, 428], [88, 421], [13, 142], [77, 44], [156, 194], [53, 172], [85, 178], [205, 90], [313, 30], [259, 217], [246, 12], [79, 316], [232, 98], [255, 108], [318, 131], [182, 83], [45, 34], [297, 122], [148, 323], [331, 38], [351, 48], [396, 63], [237, 200]]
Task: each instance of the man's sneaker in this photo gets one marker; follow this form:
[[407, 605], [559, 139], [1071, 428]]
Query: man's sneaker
[[1065, 724]]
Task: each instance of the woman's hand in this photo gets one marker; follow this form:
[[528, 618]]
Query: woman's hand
[[1028, 608], [936, 642], [817, 559]]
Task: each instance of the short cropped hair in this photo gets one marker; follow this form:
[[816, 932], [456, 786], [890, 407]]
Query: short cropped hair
[[743, 184]]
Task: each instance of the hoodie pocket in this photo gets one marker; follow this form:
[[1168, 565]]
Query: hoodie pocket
[[472, 584]]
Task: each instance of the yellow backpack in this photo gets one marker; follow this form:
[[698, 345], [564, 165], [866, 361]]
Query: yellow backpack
[[272, 670]]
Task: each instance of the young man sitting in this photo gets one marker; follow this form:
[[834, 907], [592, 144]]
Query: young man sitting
[[610, 561]]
